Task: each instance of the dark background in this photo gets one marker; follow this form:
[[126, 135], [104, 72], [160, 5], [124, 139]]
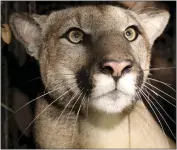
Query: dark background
[[21, 77]]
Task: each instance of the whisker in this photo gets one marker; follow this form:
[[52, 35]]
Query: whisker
[[77, 118], [160, 90], [152, 88], [67, 106], [128, 10], [160, 114], [44, 110], [150, 136], [158, 95], [33, 79], [145, 96], [87, 106], [74, 106], [160, 68], [162, 83], [139, 97], [161, 107], [7, 108], [80, 93], [40, 77], [129, 131], [139, 10], [131, 5], [34, 100]]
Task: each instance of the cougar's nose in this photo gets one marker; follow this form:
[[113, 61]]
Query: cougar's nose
[[116, 68]]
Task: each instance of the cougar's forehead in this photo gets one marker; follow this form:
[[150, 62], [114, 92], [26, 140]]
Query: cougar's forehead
[[91, 18]]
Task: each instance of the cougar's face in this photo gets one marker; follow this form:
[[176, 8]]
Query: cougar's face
[[97, 54], [91, 55]]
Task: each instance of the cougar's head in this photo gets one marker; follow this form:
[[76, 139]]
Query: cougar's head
[[95, 55]]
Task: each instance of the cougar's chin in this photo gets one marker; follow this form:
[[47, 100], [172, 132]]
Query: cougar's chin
[[113, 96]]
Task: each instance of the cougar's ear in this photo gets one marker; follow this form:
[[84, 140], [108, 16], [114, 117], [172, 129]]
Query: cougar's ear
[[153, 22], [27, 29]]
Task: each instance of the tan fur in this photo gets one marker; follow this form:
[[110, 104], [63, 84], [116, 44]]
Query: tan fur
[[101, 131], [58, 57], [141, 133]]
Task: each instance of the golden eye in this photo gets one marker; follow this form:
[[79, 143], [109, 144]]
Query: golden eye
[[131, 34], [75, 36]]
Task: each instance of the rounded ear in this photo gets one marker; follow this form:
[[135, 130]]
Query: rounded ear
[[27, 29], [153, 22]]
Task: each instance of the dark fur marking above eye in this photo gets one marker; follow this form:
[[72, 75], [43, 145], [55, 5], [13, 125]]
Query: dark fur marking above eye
[[86, 85]]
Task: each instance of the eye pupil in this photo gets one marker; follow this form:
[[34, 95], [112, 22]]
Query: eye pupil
[[128, 33], [76, 34]]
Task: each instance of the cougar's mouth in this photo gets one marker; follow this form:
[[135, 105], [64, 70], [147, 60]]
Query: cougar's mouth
[[113, 97]]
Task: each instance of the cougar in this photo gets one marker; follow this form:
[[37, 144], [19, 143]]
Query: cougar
[[94, 62]]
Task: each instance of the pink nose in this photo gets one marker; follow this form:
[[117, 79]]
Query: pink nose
[[117, 68]]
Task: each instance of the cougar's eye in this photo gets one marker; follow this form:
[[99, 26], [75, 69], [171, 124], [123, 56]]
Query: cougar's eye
[[75, 36], [131, 33]]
